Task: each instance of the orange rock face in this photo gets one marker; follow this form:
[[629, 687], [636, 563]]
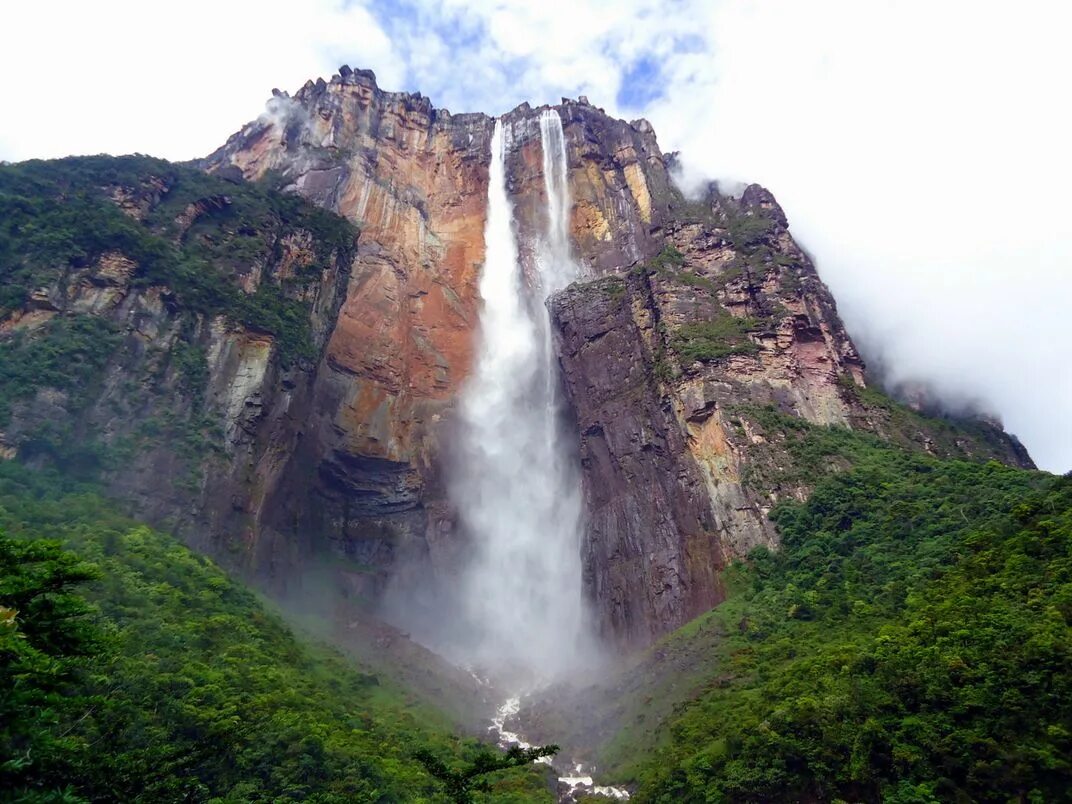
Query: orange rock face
[[417, 188], [367, 472], [415, 180]]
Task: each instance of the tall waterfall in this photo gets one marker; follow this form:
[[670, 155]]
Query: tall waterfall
[[517, 486]]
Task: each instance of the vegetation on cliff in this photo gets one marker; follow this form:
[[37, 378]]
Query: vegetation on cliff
[[115, 274], [134, 670], [186, 231], [67, 354], [910, 642]]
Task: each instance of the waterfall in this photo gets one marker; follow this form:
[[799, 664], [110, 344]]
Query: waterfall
[[517, 487], [557, 269]]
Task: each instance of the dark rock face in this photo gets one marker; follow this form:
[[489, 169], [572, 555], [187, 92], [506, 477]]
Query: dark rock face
[[651, 549], [667, 366], [414, 179]]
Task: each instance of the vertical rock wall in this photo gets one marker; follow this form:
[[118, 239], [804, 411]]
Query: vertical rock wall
[[366, 473], [693, 312], [667, 365]]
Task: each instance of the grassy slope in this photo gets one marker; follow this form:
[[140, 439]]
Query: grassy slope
[[204, 692]]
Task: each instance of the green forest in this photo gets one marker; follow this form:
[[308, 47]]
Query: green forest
[[132, 669], [909, 643]]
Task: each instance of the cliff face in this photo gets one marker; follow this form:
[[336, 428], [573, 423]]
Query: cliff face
[[272, 386], [671, 367], [165, 331], [414, 179]]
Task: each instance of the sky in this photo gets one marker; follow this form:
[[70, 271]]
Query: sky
[[920, 149]]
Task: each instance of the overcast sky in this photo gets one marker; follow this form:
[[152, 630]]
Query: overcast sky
[[920, 149]]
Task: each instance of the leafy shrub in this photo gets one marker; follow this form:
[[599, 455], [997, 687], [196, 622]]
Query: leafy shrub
[[747, 231], [717, 337]]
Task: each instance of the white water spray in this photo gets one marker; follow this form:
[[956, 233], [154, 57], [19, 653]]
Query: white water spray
[[516, 489]]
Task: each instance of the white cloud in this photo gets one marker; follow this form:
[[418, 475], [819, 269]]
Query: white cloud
[[919, 148], [171, 79]]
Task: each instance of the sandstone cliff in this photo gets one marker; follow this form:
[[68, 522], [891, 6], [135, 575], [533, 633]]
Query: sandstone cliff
[[166, 332], [671, 366], [283, 393], [414, 178]]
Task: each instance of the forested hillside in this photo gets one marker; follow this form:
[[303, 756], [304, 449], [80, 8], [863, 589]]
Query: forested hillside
[[911, 642], [134, 670], [282, 359]]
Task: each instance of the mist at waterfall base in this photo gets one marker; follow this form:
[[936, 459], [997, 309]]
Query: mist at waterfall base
[[515, 612]]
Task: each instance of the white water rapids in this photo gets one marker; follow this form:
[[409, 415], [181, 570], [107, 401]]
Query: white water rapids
[[574, 782]]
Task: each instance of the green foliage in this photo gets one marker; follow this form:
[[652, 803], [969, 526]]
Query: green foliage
[[59, 215], [461, 783], [669, 257], [614, 287], [910, 642], [696, 281], [191, 365], [748, 231], [46, 639], [948, 433], [182, 687], [67, 354], [662, 263], [688, 211], [717, 337], [796, 453]]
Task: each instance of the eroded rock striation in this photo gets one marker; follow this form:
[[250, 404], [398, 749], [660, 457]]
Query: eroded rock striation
[[414, 179], [284, 388], [672, 365]]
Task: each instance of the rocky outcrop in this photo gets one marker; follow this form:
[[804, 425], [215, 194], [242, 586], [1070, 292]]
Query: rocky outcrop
[[414, 179], [178, 360], [669, 366]]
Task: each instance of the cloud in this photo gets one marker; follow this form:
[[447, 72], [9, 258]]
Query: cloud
[[171, 79], [919, 148]]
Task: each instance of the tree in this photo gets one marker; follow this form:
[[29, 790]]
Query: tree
[[47, 638], [462, 783]]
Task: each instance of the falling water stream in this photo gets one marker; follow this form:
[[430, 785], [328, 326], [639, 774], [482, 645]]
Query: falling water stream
[[518, 490]]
